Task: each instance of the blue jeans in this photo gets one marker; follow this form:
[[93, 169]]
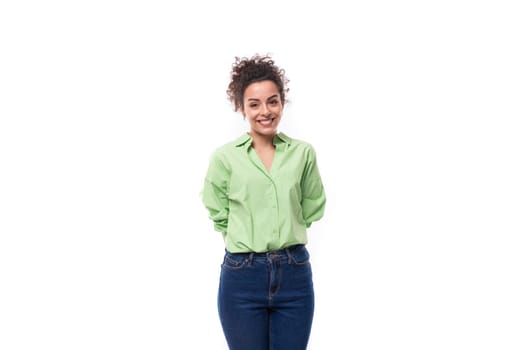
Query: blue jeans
[[266, 300]]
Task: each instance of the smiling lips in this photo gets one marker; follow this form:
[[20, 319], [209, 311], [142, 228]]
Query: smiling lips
[[265, 122]]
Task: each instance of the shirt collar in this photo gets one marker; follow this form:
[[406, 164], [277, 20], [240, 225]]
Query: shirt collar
[[284, 138], [245, 140]]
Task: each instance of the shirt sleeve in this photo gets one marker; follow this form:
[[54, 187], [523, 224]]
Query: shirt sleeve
[[313, 194], [215, 193]]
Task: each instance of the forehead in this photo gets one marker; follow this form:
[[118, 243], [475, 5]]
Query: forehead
[[261, 90]]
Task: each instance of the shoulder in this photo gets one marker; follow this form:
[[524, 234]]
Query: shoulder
[[224, 153]]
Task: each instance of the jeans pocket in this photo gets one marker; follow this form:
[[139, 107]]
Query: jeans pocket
[[300, 256], [234, 262]]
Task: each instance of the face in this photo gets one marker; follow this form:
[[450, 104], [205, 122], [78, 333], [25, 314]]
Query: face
[[262, 107]]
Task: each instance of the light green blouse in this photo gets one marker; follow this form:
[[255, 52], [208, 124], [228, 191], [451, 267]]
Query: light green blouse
[[257, 210]]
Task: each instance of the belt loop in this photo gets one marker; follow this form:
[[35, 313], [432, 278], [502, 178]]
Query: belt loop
[[250, 258], [287, 250]]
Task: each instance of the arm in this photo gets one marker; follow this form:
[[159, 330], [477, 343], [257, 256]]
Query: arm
[[313, 195], [215, 193]]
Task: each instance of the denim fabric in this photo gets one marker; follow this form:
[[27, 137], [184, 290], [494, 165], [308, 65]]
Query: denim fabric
[[266, 300]]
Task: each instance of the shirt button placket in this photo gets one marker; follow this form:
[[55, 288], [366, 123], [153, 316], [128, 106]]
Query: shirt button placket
[[273, 198]]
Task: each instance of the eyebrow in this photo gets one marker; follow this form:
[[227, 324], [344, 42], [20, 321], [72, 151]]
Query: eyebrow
[[269, 98]]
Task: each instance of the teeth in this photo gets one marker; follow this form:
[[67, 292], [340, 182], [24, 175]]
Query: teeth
[[266, 122]]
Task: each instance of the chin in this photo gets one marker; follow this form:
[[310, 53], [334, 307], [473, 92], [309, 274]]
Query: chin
[[267, 132]]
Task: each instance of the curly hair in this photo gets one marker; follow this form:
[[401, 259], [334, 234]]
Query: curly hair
[[250, 70]]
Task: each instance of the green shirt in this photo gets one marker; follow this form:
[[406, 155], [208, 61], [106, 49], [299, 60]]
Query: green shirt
[[257, 210]]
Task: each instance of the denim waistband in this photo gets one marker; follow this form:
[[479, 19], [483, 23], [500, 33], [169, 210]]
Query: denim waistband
[[274, 254]]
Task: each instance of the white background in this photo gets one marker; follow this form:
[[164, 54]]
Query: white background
[[109, 112]]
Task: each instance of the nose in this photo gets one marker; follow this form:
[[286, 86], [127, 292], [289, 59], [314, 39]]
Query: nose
[[264, 110]]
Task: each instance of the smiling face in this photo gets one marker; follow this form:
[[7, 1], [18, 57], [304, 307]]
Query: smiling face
[[262, 106]]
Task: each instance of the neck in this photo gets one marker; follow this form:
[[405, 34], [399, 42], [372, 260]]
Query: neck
[[262, 141]]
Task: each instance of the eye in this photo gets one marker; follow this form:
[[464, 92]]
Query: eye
[[274, 102], [253, 105]]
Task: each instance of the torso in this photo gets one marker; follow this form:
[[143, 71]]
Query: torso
[[267, 154]]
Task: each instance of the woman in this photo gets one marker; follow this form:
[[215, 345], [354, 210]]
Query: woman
[[262, 192]]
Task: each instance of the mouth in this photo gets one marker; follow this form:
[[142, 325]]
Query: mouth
[[266, 122]]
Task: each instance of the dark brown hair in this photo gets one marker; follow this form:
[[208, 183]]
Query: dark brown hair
[[250, 70]]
